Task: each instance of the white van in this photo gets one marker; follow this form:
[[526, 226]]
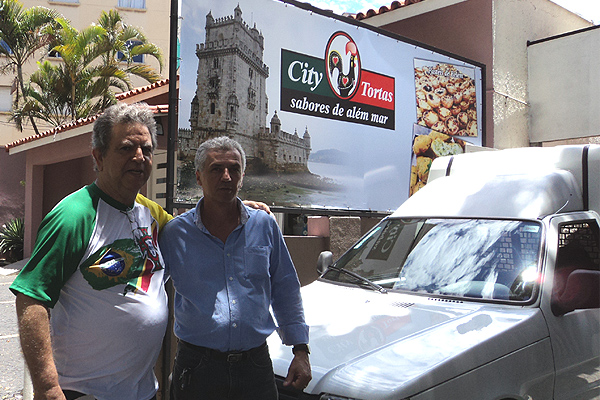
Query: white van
[[485, 284]]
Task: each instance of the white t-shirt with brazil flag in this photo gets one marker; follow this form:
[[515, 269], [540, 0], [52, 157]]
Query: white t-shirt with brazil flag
[[97, 264]]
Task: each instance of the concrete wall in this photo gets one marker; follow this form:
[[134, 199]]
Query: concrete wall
[[515, 22], [335, 234], [564, 82]]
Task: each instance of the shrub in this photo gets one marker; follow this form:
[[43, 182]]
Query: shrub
[[11, 239]]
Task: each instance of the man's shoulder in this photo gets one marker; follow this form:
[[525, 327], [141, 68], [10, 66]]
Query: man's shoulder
[[260, 217], [75, 205], [180, 220], [159, 213]]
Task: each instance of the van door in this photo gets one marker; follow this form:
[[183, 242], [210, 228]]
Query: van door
[[573, 244]]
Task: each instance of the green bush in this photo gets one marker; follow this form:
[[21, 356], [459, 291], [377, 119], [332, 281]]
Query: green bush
[[11, 239]]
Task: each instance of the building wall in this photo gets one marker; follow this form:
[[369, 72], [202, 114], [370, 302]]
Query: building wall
[[564, 82], [494, 33], [153, 21], [515, 23], [231, 94], [12, 179], [231, 99]]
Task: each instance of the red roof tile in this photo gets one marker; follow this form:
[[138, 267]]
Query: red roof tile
[[141, 89], [383, 9], [156, 109]]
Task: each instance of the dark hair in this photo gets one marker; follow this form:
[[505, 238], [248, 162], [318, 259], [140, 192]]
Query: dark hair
[[121, 113], [223, 143]]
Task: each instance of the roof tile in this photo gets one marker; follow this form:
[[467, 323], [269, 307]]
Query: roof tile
[[156, 109]]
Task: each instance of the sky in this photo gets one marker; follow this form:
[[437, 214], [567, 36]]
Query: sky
[[588, 9]]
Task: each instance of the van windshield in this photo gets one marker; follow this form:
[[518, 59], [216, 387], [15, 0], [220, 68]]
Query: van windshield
[[471, 258]]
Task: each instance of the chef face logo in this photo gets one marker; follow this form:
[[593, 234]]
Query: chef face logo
[[342, 63]]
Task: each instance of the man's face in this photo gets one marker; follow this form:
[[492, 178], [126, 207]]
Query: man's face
[[222, 176], [127, 164]]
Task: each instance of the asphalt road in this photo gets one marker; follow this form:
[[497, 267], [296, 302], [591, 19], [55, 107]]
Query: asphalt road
[[11, 359]]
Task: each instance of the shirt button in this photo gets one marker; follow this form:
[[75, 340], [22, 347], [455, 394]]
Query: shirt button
[[234, 325], [234, 302], [231, 278]]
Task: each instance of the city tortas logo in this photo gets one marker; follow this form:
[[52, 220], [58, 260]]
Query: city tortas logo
[[343, 65], [336, 86]]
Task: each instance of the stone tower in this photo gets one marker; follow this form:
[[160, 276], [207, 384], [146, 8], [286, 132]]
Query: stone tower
[[231, 96]]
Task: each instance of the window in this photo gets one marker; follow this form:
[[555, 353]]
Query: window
[[53, 53], [5, 46], [5, 99], [577, 267], [131, 44], [578, 242], [232, 108], [495, 260], [138, 4]]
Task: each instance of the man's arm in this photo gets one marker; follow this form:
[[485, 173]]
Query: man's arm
[[34, 330]]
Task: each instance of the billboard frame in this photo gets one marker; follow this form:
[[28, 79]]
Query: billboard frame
[[174, 60]]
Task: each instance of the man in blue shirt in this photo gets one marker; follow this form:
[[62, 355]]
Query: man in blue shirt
[[229, 266]]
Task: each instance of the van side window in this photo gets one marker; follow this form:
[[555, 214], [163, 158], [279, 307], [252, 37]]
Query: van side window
[[577, 261], [578, 246]]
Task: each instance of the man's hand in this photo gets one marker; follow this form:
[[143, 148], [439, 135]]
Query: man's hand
[[299, 374], [258, 205]]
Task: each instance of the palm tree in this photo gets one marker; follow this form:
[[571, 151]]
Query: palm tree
[[126, 42], [78, 85], [96, 61], [22, 33]]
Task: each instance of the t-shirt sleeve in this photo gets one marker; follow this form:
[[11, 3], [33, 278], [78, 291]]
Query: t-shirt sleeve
[[160, 215], [61, 242]]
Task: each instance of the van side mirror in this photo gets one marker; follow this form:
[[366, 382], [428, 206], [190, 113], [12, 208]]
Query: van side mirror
[[582, 291], [324, 261]]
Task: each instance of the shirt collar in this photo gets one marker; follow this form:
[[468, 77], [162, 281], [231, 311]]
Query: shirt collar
[[244, 215]]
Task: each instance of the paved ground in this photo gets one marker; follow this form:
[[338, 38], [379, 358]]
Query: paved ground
[[11, 360]]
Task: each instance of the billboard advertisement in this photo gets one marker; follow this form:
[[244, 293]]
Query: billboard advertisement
[[332, 113]]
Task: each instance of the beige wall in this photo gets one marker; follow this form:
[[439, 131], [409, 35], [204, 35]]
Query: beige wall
[[154, 21]]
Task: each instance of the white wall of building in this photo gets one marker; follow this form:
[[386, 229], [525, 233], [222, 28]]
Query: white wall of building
[[564, 87]]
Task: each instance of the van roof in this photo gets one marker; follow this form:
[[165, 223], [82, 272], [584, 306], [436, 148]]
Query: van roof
[[514, 183]]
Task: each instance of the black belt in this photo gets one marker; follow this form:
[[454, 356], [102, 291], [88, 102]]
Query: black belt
[[229, 356]]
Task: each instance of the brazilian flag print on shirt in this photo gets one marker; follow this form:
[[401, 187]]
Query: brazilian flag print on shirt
[[97, 264]]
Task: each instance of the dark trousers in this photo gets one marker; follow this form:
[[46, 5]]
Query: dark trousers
[[200, 373], [72, 395]]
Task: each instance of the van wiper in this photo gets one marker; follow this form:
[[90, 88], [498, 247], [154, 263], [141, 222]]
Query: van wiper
[[369, 283]]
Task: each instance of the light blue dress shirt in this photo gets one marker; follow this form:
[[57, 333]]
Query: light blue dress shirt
[[224, 291]]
